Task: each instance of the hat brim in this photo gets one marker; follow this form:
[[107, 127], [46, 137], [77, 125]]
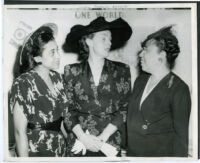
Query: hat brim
[[52, 26], [120, 31]]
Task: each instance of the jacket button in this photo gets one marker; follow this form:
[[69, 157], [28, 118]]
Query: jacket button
[[144, 127]]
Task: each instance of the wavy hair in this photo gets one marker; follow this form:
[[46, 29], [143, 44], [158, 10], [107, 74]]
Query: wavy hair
[[167, 42], [32, 47], [83, 47]]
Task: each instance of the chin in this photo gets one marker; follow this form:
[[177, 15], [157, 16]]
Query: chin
[[144, 69], [105, 55], [55, 68]]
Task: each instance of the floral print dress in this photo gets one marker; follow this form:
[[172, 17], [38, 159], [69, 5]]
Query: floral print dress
[[41, 106], [94, 107]]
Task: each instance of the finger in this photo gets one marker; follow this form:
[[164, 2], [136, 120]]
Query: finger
[[76, 144], [84, 151], [75, 148], [78, 151]]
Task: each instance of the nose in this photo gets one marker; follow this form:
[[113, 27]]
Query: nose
[[109, 43], [141, 54], [57, 55]]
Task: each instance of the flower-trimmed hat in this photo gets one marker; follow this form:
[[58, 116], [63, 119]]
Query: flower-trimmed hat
[[120, 30], [29, 40]]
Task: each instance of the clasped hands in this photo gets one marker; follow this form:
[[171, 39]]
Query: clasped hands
[[89, 142]]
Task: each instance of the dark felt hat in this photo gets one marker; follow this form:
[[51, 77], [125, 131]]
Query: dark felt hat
[[120, 30]]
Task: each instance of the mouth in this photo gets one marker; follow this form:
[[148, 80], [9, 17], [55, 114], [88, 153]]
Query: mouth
[[107, 49], [57, 62]]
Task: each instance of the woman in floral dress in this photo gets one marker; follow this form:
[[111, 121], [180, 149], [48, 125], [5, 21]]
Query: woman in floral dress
[[97, 88], [37, 97]]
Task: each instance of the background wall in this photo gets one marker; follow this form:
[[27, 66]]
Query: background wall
[[20, 22]]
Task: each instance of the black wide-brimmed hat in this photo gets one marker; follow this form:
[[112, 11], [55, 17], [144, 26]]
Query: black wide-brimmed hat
[[120, 30]]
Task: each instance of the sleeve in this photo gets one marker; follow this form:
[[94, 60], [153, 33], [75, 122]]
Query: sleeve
[[71, 117], [20, 92], [181, 106], [124, 89]]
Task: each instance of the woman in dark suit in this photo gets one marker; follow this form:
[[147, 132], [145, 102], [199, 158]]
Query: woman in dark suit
[[159, 108]]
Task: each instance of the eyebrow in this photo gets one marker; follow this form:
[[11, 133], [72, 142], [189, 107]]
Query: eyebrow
[[55, 48], [52, 49], [106, 34]]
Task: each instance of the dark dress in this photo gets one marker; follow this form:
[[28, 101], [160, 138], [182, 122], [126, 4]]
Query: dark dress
[[40, 106], [160, 126], [94, 107]]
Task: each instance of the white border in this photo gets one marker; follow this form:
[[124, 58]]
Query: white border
[[194, 83]]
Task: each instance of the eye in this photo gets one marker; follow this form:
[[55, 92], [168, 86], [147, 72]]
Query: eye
[[144, 49], [52, 52]]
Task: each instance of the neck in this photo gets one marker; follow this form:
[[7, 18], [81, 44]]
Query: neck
[[96, 60], [160, 73], [42, 70]]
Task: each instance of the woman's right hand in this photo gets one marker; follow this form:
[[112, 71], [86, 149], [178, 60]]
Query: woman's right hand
[[92, 143]]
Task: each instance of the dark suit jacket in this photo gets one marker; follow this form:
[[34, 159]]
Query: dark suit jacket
[[160, 126]]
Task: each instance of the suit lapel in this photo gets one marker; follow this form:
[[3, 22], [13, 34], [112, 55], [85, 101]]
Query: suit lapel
[[155, 99]]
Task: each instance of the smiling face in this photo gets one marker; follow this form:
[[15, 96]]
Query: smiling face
[[150, 57], [100, 43], [50, 57]]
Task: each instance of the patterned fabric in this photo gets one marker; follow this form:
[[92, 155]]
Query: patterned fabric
[[41, 106], [159, 126], [94, 107]]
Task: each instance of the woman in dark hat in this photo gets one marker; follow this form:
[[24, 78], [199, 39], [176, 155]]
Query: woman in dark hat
[[97, 88], [37, 97], [159, 108]]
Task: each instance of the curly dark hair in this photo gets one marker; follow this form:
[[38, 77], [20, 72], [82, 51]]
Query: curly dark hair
[[167, 42], [83, 47], [31, 48]]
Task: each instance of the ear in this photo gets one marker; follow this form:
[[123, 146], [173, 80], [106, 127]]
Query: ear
[[163, 53], [162, 56], [38, 59], [88, 42]]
